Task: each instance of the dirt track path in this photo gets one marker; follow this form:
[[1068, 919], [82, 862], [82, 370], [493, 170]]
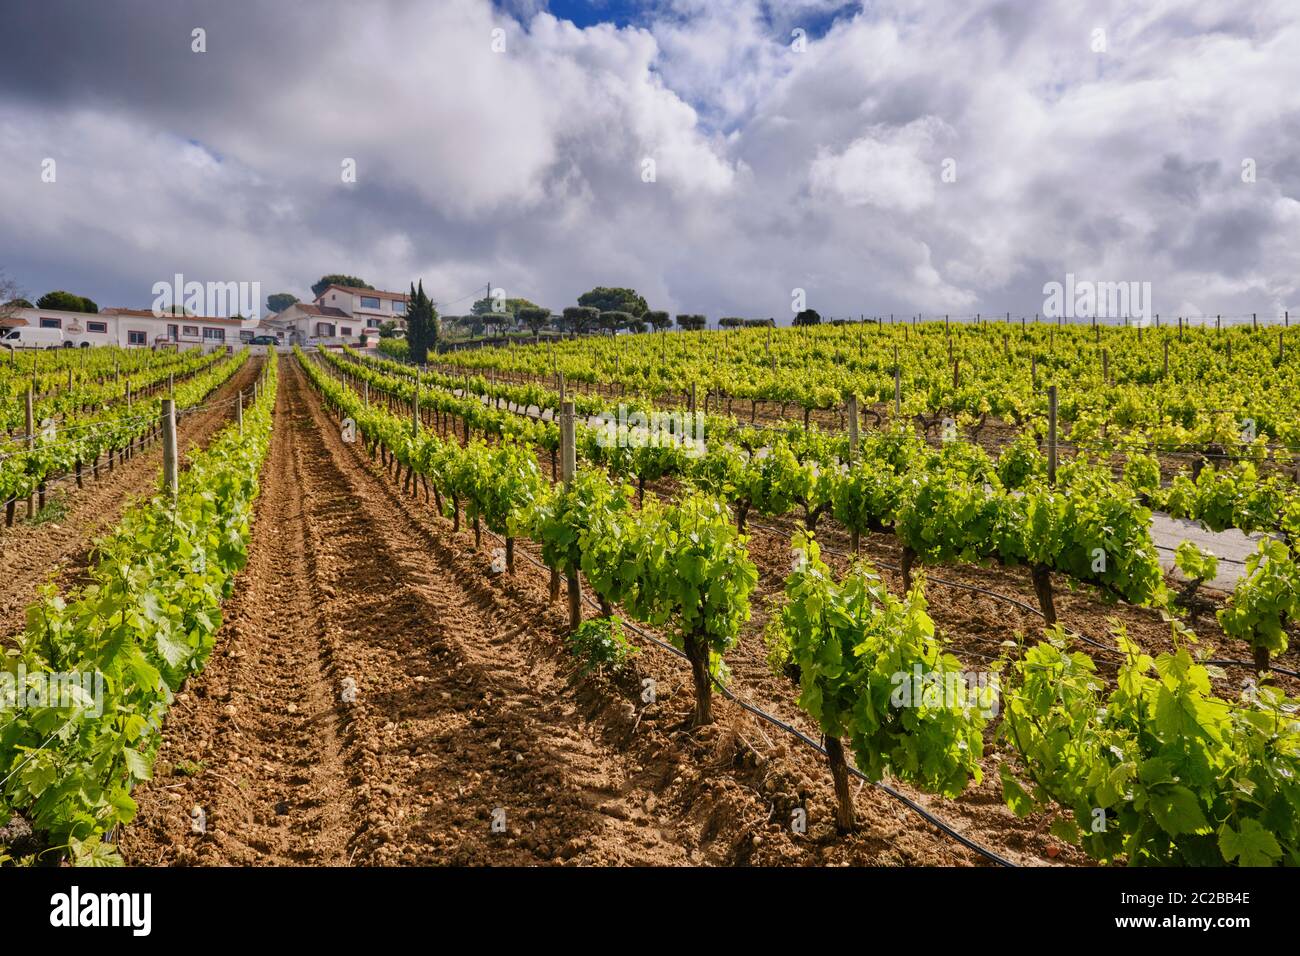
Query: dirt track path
[[731, 787], [460, 720], [59, 550]]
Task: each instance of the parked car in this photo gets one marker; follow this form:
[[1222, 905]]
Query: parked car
[[263, 340], [28, 337]]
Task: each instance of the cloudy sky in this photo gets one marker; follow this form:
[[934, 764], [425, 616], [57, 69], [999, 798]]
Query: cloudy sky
[[888, 156]]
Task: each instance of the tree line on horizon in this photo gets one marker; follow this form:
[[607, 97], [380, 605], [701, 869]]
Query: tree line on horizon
[[606, 309]]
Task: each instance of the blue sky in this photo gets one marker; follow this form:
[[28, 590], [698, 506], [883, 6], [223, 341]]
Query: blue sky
[[585, 13]]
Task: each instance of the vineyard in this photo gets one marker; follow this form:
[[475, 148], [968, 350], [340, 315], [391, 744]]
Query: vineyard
[[917, 593]]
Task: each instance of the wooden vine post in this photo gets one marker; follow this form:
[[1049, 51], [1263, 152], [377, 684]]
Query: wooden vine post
[[415, 410], [1039, 573], [568, 469], [854, 541], [171, 478], [1051, 434], [30, 432], [898, 387]]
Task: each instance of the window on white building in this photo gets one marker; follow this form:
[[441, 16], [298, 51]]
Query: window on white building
[[214, 335], [96, 326], [51, 323], [191, 330], [137, 338], [370, 302], [399, 306]]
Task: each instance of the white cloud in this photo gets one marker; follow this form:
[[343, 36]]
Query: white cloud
[[775, 169], [891, 168]]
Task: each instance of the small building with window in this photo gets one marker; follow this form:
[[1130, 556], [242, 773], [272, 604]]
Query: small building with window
[[322, 322], [132, 328], [374, 306], [142, 327]]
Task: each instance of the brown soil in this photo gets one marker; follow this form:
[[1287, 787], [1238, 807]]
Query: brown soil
[[467, 703], [456, 714], [977, 627], [60, 549], [790, 776]]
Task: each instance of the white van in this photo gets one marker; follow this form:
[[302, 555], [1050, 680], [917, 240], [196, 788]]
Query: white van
[[27, 337]]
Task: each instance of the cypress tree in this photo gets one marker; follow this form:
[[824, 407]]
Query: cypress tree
[[421, 325]]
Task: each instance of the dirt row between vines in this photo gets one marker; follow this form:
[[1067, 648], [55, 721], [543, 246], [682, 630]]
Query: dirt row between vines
[[468, 712], [456, 724], [1080, 608], [979, 813], [977, 627], [60, 549]]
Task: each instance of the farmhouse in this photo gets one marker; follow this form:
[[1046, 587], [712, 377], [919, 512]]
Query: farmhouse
[[133, 328], [338, 314]]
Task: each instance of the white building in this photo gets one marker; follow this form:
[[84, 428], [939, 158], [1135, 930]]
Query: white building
[[374, 305], [338, 314], [133, 328]]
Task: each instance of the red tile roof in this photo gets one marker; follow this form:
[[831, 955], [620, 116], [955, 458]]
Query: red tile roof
[[328, 310], [376, 293]]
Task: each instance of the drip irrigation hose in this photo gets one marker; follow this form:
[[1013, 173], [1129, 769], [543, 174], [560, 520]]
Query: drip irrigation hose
[[775, 721], [780, 724], [1220, 662]]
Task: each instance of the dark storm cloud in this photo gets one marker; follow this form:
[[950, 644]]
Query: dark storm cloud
[[1224, 241], [136, 55]]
